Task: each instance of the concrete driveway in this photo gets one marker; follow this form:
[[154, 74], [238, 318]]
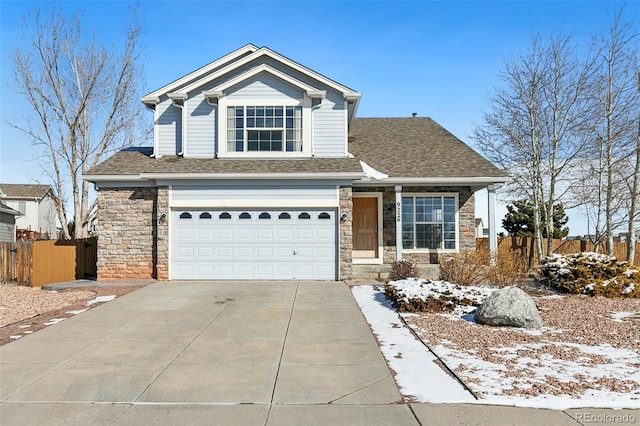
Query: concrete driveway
[[238, 353]]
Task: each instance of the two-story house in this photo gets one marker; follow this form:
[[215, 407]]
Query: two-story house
[[261, 170], [36, 206]]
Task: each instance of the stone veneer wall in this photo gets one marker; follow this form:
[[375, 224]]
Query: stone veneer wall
[[162, 234], [131, 241], [346, 234], [466, 220]]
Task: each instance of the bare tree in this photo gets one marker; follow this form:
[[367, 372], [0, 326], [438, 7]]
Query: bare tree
[[532, 126], [634, 190], [608, 184], [83, 99]]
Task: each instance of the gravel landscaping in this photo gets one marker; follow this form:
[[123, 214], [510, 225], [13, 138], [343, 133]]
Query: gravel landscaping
[[588, 344], [25, 310]]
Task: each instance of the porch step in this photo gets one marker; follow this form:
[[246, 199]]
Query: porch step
[[380, 273]]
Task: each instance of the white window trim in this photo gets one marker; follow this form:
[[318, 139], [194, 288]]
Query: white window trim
[[456, 196], [380, 258], [307, 127]]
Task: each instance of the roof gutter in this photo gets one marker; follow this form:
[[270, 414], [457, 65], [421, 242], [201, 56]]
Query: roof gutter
[[223, 176], [245, 176], [440, 181]]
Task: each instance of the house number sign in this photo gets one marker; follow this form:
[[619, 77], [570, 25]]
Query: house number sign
[[398, 212]]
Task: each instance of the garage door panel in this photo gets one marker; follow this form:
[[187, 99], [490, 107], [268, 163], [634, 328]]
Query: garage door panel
[[205, 270], [284, 234], [223, 270], [222, 234], [264, 252], [185, 253], [264, 233], [323, 253], [185, 233], [284, 244], [266, 270], [303, 252], [245, 252], [205, 233], [246, 233], [223, 251], [325, 234], [205, 252]]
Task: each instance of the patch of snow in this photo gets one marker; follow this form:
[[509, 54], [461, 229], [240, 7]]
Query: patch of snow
[[24, 326], [551, 297], [420, 378], [101, 299], [417, 375], [55, 321], [620, 316], [79, 311], [415, 288], [15, 337]]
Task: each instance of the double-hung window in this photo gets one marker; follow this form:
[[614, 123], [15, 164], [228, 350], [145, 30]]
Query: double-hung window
[[264, 128], [429, 222]]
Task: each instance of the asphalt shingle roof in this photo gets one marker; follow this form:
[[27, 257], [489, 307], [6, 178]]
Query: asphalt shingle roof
[[13, 190], [399, 147], [133, 161], [415, 147]]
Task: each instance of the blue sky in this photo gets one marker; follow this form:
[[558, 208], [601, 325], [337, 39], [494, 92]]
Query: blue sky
[[439, 59]]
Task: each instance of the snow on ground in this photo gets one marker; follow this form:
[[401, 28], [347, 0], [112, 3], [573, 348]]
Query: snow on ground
[[415, 288], [101, 299], [621, 316], [416, 373], [557, 374]]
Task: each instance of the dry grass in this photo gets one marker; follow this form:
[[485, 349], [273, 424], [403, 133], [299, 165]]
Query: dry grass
[[473, 267]]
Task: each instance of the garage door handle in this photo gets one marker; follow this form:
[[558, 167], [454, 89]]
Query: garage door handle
[[295, 252]]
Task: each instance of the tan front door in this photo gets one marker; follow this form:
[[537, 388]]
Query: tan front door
[[365, 227]]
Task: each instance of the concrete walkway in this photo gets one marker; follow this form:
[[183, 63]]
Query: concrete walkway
[[237, 353]]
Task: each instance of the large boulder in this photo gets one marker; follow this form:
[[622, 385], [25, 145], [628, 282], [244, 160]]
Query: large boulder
[[509, 306]]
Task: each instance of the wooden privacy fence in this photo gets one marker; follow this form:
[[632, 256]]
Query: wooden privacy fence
[[526, 246], [36, 263]]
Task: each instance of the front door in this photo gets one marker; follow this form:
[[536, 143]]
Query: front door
[[365, 227]]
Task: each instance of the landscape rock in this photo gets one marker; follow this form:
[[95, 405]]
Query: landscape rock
[[509, 306]]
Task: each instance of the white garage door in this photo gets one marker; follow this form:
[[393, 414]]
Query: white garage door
[[253, 244]]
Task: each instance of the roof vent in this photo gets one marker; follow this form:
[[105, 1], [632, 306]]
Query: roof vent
[[414, 114]]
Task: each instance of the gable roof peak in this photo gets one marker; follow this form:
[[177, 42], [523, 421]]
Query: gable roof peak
[[29, 191]]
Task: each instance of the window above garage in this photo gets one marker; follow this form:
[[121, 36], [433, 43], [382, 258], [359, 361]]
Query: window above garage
[[268, 128], [274, 128]]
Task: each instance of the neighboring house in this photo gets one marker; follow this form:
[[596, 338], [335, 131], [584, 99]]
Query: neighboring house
[[260, 170], [8, 223], [36, 205]]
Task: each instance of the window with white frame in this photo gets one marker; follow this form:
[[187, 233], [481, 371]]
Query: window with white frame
[[264, 128], [429, 222], [20, 206]]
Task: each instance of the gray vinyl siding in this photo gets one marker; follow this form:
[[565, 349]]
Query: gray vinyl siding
[[329, 127], [169, 128], [265, 86], [201, 128], [270, 192], [7, 227], [329, 119]]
